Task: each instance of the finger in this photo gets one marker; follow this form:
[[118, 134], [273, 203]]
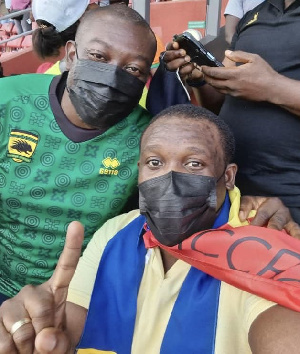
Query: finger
[[56, 288], [261, 218], [176, 64], [39, 303], [35, 303], [239, 56], [277, 221], [228, 63], [223, 86], [219, 75], [7, 344], [186, 69], [172, 45], [247, 204], [170, 55], [293, 229], [22, 338], [69, 258], [273, 213], [52, 341], [215, 77]]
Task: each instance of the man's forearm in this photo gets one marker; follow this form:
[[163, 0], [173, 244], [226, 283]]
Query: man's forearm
[[209, 98], [285, 92]]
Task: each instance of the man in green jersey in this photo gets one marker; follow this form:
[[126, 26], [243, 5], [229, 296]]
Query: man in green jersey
[[69, 144]]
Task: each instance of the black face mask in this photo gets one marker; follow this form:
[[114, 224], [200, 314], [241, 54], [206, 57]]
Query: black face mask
[[103, 94], [177, 205]]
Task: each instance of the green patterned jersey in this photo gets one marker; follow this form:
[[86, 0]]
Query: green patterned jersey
[[47, 180]]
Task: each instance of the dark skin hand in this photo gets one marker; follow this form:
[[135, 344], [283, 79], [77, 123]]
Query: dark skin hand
[[176, 58], [253, 80], [271, 212], [46, 306]]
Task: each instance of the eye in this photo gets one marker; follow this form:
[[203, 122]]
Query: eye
[[194, 165], [135, 71], [154, 163], [96, 56], [132, 70]]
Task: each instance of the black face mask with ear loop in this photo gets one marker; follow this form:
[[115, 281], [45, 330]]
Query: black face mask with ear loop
[[177, 205], [103, 94]]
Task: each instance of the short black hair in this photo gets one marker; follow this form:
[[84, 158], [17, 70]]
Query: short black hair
[[120, 12], [190, 111]]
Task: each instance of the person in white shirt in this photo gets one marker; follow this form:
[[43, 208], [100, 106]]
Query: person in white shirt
[[234, 11]]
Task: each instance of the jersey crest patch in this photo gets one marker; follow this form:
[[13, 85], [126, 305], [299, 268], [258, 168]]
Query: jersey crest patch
[[21, 145]]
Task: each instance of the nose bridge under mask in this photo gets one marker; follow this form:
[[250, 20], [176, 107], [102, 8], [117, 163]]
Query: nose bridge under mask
[[178, 183], [108, 74], [103, 94], [176, 205]]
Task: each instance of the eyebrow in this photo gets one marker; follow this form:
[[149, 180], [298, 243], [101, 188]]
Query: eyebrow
[[98, 41], [150, 147], [197, 150], [190, 148], [145, 59]]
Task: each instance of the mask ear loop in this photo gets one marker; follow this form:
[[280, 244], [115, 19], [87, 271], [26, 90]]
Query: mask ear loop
[[76, 52]]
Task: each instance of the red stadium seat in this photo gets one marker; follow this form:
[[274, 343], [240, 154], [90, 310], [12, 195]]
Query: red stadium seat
[[5, 55], [7, 27], [27, 41], [2, 33], [14, 44], [2, 38]]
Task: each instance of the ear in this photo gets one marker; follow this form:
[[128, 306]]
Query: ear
[[230, 174], [70, 56]]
